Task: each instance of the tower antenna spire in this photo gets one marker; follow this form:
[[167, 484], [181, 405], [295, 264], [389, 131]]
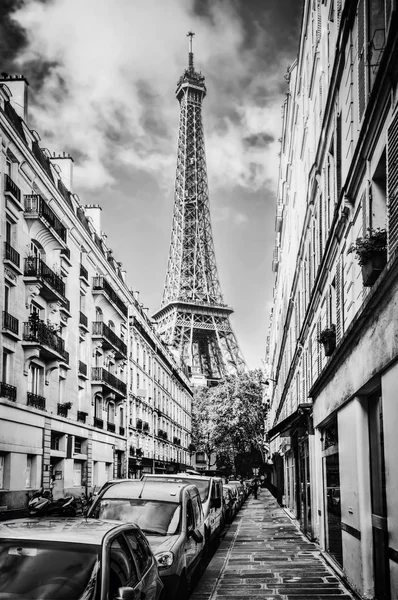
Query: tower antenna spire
[[190, 34]]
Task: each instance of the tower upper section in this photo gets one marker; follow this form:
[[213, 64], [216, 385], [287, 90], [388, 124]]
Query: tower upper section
[[190, 79]]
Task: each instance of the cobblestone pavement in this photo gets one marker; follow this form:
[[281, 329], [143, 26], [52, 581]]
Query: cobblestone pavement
[[264, 555]]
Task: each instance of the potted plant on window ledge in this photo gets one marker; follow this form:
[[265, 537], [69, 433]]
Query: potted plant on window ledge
[[327, 337], [371, 252]]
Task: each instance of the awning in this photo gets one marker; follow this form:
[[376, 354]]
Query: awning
[[299, 418]]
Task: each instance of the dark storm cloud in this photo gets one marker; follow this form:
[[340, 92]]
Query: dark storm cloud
[[12, 37]]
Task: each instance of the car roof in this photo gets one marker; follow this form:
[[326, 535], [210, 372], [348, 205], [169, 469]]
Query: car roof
[[173, 476], [147, 490], [77, 530]]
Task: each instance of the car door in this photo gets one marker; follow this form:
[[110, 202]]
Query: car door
[[121, 569]]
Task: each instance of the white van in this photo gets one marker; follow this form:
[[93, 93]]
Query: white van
[[211, 494]]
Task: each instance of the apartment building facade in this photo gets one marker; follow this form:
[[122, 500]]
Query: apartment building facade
[[332, 347], [65, 340]]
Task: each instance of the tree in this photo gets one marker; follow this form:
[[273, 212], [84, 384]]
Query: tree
[[229, 419]]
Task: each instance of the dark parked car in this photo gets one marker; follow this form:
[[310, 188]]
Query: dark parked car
[[76, 559], [171, 516]]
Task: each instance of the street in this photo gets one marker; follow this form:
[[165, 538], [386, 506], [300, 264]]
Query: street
[[264, 555]]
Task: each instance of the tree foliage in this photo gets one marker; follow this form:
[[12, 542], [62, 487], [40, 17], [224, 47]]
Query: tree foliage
[[229, 419]]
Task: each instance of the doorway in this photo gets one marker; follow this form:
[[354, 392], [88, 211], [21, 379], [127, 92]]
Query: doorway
[[331, 477]]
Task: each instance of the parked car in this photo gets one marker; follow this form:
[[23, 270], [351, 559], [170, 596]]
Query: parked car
[[229, 505], [241, 491], [171, 516], [76, 558], [235, 506], [210, 489]]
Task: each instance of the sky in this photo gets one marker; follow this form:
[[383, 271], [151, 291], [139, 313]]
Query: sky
[[102, 77]]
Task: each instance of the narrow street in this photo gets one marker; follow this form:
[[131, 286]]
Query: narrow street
[[264, 555]]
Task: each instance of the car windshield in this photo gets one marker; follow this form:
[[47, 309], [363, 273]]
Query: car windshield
[[47, 570], [159, 518]]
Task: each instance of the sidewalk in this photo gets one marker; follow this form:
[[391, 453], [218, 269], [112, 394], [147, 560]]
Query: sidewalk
[[264, 555]]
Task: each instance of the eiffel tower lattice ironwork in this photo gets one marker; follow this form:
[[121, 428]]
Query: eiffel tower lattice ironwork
[[193, 317]]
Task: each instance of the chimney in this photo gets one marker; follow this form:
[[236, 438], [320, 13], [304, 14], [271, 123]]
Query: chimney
[[94, 212], [65, 163], [18, 86]]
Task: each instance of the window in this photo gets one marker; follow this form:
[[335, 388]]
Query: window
[[111, 325], [111, 412], [5, 366], [98, 407], [140, 549], [35, 379], [138, 381], [8, 232], [55, 440], [98, 314], [78, 445], [122, 571], [2, 469], [77, 473], [29, 471]]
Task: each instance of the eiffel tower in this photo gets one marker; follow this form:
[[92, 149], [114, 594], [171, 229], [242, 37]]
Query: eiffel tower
[[193, 318]]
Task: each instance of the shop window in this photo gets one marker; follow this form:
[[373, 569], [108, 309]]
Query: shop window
[[331, 469], [77, 473], [29, 472]]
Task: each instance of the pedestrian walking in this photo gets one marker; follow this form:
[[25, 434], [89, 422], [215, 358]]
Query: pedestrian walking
[[255, 488]]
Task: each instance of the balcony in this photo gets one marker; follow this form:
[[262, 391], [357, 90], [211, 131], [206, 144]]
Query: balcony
[[110, 339], [139, 424], [36, 271], [176, 441], [37, 208], [10, 324], [83, 273], [110, 427], [100, 285], [8, 391], [82, 369], [62, 409], [51, 345], [36, 401], [12, 191], [81, 416], [11, 255], [108, 381], [99, 423]]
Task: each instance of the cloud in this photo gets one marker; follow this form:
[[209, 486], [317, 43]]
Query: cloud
[[107, 94]]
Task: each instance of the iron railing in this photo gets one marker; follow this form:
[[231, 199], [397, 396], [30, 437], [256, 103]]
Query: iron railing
[[10, 186], [34, 203], [100, 328], [39, 332], [36, 401], [100, 283], [81, 416], [99, 423], [11, 254], [110, 426], [62, 410], [101, 374], [8, 391], [36, 267], [10, 323]]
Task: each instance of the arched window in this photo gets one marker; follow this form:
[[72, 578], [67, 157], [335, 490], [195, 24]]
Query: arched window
[[98, 314], [111, 325], [111, 412]]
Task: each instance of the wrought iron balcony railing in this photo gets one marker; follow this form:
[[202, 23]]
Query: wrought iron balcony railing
[[40, 333], [102, 375], [62, 410], [110, 427], [11, 187], [101, 284], [81, 416], [8, 391], [36, 267], [34, 203], [99, 423], [10, 323], [101, 329], [36, 401], [11, 254]]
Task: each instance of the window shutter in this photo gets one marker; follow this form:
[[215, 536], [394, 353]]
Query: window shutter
[[339, 300], [392, 184], [361, 58]]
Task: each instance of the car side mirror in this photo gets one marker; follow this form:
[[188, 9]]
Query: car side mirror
[[195, 535], [216, 502], [126, 593]]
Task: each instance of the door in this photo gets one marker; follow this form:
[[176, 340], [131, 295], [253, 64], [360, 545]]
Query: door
[[331, 474], [379, 500], [304, 486], [121, 569], [192, 552]]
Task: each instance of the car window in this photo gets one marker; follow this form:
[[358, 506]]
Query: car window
[[197, 509], [122, 570], [153, 517], [140, 550], [190, 516]]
